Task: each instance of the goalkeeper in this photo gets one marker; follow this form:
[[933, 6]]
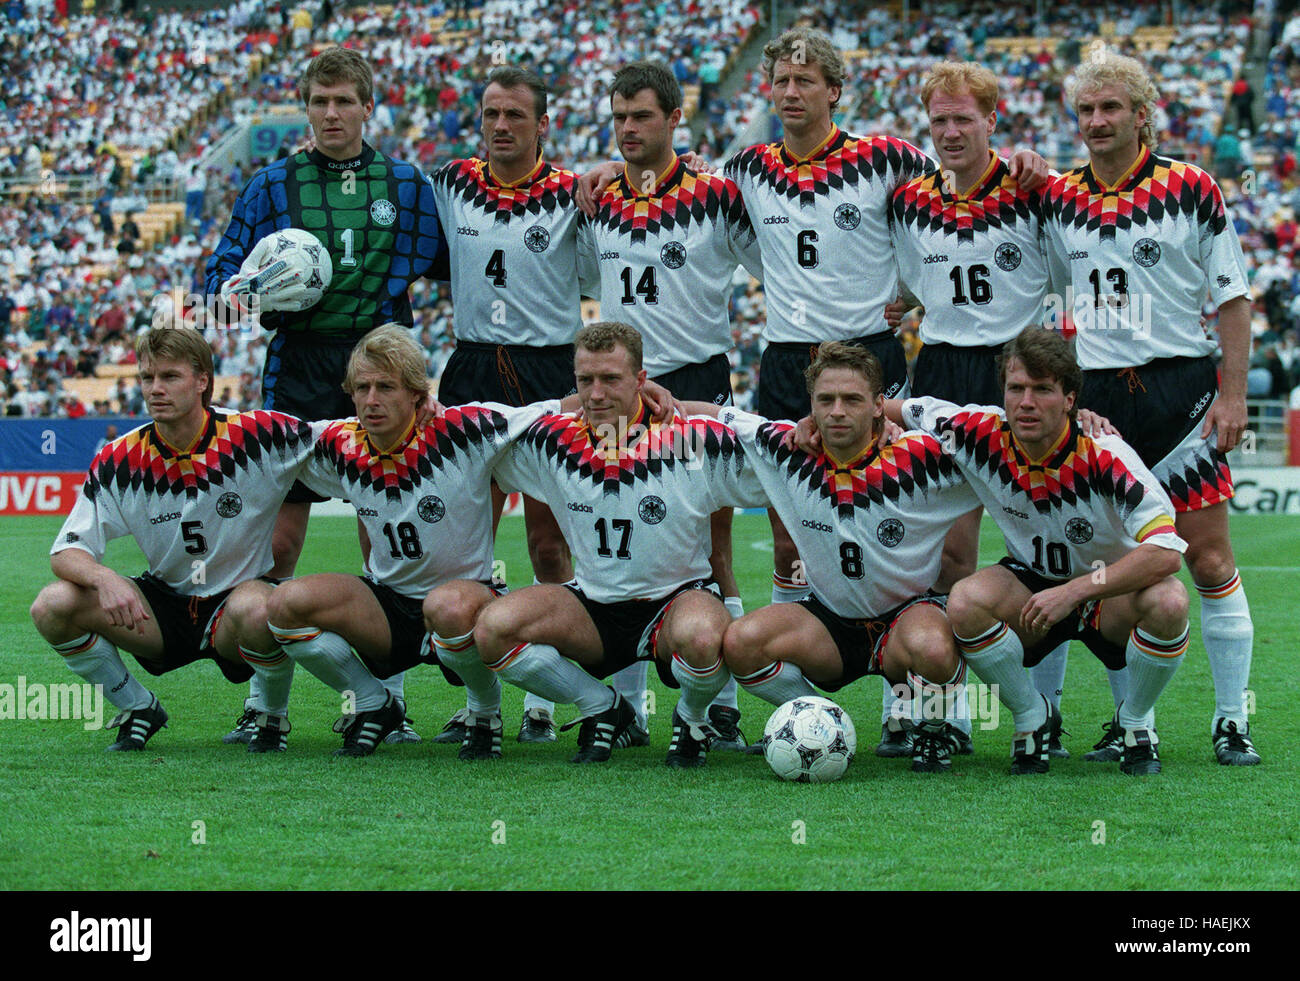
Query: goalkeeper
[[378, 219]]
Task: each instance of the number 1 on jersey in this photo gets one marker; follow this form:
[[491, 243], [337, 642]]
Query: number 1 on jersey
[[348, 258]]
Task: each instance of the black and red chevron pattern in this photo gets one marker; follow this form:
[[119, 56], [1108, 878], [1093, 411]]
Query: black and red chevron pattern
[[142, 460], [572, 445], [345, 448], [684, 197], [1158, 188], [1075, 470], [912, 465], [845, 160], [549, 189], [997, 202]]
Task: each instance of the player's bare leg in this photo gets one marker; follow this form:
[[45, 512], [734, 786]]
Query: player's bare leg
[[288, 538], [773, 652], [984, 611], [789, 584], [1227, 630], [690, 643], [450, 612], [518, 638], [921, 656]]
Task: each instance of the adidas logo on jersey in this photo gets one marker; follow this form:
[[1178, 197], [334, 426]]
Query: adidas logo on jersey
[[163, 518], [584, 508], [776, 220], [1018, 514], [609, 255], [367, 513], [466, 230], [1077, 255], [931, 259], [816, 525]]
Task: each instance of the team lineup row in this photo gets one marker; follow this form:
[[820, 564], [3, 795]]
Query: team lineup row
[[830, 221]]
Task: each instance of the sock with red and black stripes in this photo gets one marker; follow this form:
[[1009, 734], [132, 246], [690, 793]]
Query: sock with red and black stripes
[[1152, 662], [998, 657], [1229, 637], [275, 674], [330, 658], [482, 687], [699, 687], [777, 683], [96, 660], [788, 589], [541, 669]]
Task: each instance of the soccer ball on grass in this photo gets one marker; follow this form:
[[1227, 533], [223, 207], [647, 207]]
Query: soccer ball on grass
[[810, 739]]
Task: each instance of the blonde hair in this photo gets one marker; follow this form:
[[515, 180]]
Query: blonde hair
[[1105, 67], [804, 45], [955, 77], [178, 344], [601, 337], [389, 348]]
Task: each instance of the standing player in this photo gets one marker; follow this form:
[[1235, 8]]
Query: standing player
[[517, 283], [379, 221], [969, 243], [667, 241], [1093, 550], [1144, 239], [422, 496], [198, 491], [869, 522], [634, 498]]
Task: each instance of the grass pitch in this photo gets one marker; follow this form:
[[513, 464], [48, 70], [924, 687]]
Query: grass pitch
[[191, 813]]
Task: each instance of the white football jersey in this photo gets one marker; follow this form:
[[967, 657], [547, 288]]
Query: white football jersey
[[202, 515], [823, 229], [666, 263], [869, 531], [515, 274], [975, 261], [1087, 501], [1141, 258], [636, 518], [426, 505]]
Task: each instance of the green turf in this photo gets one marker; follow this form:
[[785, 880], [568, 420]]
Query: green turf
[[415, 817]]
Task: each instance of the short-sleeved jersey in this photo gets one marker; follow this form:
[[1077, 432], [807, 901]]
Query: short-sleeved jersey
[[1142, 257], [515, 277], [376, 216], [636, 518], [975, 261], [666, 263], [1086, 500], [202, 515], [823, 229], [869, 531], [426, 504]]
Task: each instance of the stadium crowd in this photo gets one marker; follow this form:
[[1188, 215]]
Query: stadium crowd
[[79, 282]]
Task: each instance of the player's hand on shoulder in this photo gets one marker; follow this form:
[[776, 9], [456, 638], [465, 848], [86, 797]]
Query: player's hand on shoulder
[[663, 407], [430, 410], [1093, 425], [1028, 169], [593, 182], [697, 163], [804, 436], [890, 432]]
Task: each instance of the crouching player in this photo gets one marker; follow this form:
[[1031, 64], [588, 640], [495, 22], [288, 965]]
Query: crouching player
[[1092, 545], [199, 491], [422, 495], [869, 522]]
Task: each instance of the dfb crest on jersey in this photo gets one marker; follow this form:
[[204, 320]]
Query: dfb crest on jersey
[[890, 532], [382, 212], [1078, 530], [1146, 252], [430, 509], [229, 504], [652, 509], [673, 255], [537, 239], [847, 217], [1007, 256]]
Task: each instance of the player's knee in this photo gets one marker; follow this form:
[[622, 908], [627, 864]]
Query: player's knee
[[933, 652], [451, 609], [290, 605], [247, 609], [54, 606], [497, 627], [1210, 564], [963, 609], [1164, 606], [697, 640], [743, 648]]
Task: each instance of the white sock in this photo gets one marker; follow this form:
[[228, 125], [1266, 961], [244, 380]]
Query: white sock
[[395, 685], [256, 695], [533, 701], [1229, 635], [1151, 664], [542, 669], [998, 657], [1118, 686], [630, 682], [735, 606], [482, 687], [1049, 674], [785, 589], [727, 696], [699, 687], [938, 701], [274, 672], [777, 683], [891, 706], [96, 660], [329, 657]]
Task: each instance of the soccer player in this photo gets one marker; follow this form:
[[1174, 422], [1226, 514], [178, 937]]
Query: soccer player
[[634, 500], [1144, 240], [969, 243], [198, 490], [421, 493], [1091, 542], [667, 240], [378, 219], [869, 522], [517, 282]]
